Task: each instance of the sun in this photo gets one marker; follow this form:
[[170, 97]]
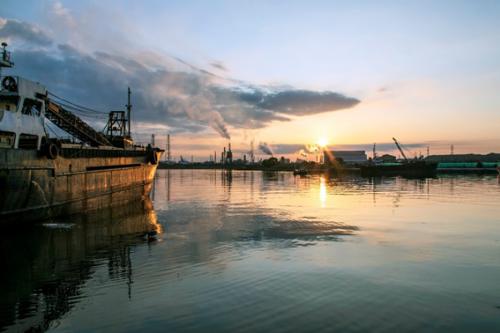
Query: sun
[[322, 142]]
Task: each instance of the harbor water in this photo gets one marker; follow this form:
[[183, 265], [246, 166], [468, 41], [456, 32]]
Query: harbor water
[[250, 251]]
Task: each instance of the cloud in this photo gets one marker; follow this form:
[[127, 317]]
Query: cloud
[[14, 29], [184, 97], [62, 13], [218, 65], [285, 148], [305, 102], [382, 146]]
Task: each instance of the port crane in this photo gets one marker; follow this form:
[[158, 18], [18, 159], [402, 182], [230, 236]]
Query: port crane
[[400, 149]]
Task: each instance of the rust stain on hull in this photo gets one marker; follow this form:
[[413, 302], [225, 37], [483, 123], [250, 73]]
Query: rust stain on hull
[[34, 187]]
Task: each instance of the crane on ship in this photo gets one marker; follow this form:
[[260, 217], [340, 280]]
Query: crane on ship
[[73, 125], [400, 149], [29, 103]]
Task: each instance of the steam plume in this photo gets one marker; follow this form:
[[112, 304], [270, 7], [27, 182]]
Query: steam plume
[[265, 148]]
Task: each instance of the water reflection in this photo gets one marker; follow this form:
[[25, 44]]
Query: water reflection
[[47, 264], [322, 191], [342, 253]]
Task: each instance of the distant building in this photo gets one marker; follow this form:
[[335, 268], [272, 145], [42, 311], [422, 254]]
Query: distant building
[[345, 156], [284, 160]]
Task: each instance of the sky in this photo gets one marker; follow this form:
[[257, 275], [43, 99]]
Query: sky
[[280, 74]]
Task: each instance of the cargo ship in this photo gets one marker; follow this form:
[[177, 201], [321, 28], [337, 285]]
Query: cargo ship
[[410, 169], [43, 176], [416, 168]]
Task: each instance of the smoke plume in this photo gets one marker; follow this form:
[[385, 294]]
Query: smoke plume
[[265, 148], [167, 90]]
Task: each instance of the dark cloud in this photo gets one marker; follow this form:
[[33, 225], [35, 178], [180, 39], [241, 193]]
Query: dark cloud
[[178, 99], [305, 102], [284, 148], [13, 29], [218, 65], [247, 116], [188, 100]]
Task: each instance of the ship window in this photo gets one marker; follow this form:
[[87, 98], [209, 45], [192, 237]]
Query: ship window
[[28, 141], [31, 107], [9, 103], [7, 139]]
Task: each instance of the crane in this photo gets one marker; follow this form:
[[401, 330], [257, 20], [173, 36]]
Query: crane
[[72, 124], [400, 149]]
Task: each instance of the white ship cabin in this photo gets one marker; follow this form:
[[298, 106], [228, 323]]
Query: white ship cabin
[[22, 111]]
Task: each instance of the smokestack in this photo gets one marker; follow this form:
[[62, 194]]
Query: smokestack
[[229, 155], [252, 156], [168, 147]]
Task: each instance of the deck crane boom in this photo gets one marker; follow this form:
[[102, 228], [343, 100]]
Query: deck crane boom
[[400, 149], [75, 126]]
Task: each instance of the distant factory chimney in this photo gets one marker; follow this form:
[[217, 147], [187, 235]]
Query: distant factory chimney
[[168, 148], [252, 156], [229, 156]]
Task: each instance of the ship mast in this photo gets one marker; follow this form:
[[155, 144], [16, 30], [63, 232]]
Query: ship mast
[[5, 60], [129, 108]]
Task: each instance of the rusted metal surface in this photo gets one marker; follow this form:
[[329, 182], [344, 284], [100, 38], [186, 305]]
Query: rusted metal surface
[[35, 187]]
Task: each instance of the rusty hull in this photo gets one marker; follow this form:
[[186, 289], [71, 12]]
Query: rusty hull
[[34, 187]]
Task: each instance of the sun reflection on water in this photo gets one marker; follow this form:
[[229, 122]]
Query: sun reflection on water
[[322, 191]]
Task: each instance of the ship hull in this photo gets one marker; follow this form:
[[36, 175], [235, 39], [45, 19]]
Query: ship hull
[[34, 187], [410, 170]]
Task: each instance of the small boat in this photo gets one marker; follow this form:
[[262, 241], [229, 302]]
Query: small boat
[[299, 172]]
